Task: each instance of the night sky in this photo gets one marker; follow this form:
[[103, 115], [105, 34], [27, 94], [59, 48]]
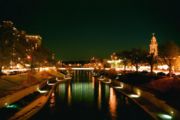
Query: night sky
[[80, 29]]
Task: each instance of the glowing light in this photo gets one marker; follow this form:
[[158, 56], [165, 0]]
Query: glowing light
[[19, 66], [118, 87], [41, 91], [79, 68], [114, 61], [118, 69], [50, 84], [52, 100], [52, 95], [134, 96], [69, 94], [47, 68], [107, 68], [163, 67], [9, 71], [172, 112], [112, 102], [165, 116], [99, 64], [10, 106], [99, 95], [138, 92], [29, 57], [93, 81]]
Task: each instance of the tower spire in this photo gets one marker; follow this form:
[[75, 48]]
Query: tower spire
[[153, 47]]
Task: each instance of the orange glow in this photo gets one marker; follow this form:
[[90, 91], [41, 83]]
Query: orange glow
[[29, 57], [52, 94], [112, 103], [69, 94], [93, 81], [138, 91], [99, 95], [52, 100]]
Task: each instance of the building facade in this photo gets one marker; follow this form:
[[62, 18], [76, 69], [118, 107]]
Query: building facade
[[153, 47]]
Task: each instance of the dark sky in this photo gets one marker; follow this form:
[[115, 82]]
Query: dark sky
[[80, 29]]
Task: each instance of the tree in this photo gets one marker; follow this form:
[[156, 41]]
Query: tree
[[125, 57], [137, 56], [151, 60], [169, 52]]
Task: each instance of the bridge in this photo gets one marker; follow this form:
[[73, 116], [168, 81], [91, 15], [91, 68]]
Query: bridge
[[9, 71], [77, 68]]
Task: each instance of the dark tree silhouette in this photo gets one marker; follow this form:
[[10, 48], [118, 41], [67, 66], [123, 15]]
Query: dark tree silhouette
[[137, 57], [151, 60], [169, 52], [125, 57]]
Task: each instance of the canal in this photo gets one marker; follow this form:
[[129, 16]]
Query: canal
[[86, 98]]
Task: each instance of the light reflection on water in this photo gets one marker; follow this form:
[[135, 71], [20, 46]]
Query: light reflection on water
[[86, 98], [99, 95], [112, 104], [52, 100], [82, 92], [69, 94]]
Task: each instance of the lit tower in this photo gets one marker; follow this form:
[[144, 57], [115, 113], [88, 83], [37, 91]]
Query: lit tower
[[153, 47]]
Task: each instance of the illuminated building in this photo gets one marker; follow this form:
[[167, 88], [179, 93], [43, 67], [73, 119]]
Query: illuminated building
[[37, 39], [153, 47], [114, 62]]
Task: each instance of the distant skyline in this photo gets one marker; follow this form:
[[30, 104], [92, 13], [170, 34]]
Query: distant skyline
[[78, 30]]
